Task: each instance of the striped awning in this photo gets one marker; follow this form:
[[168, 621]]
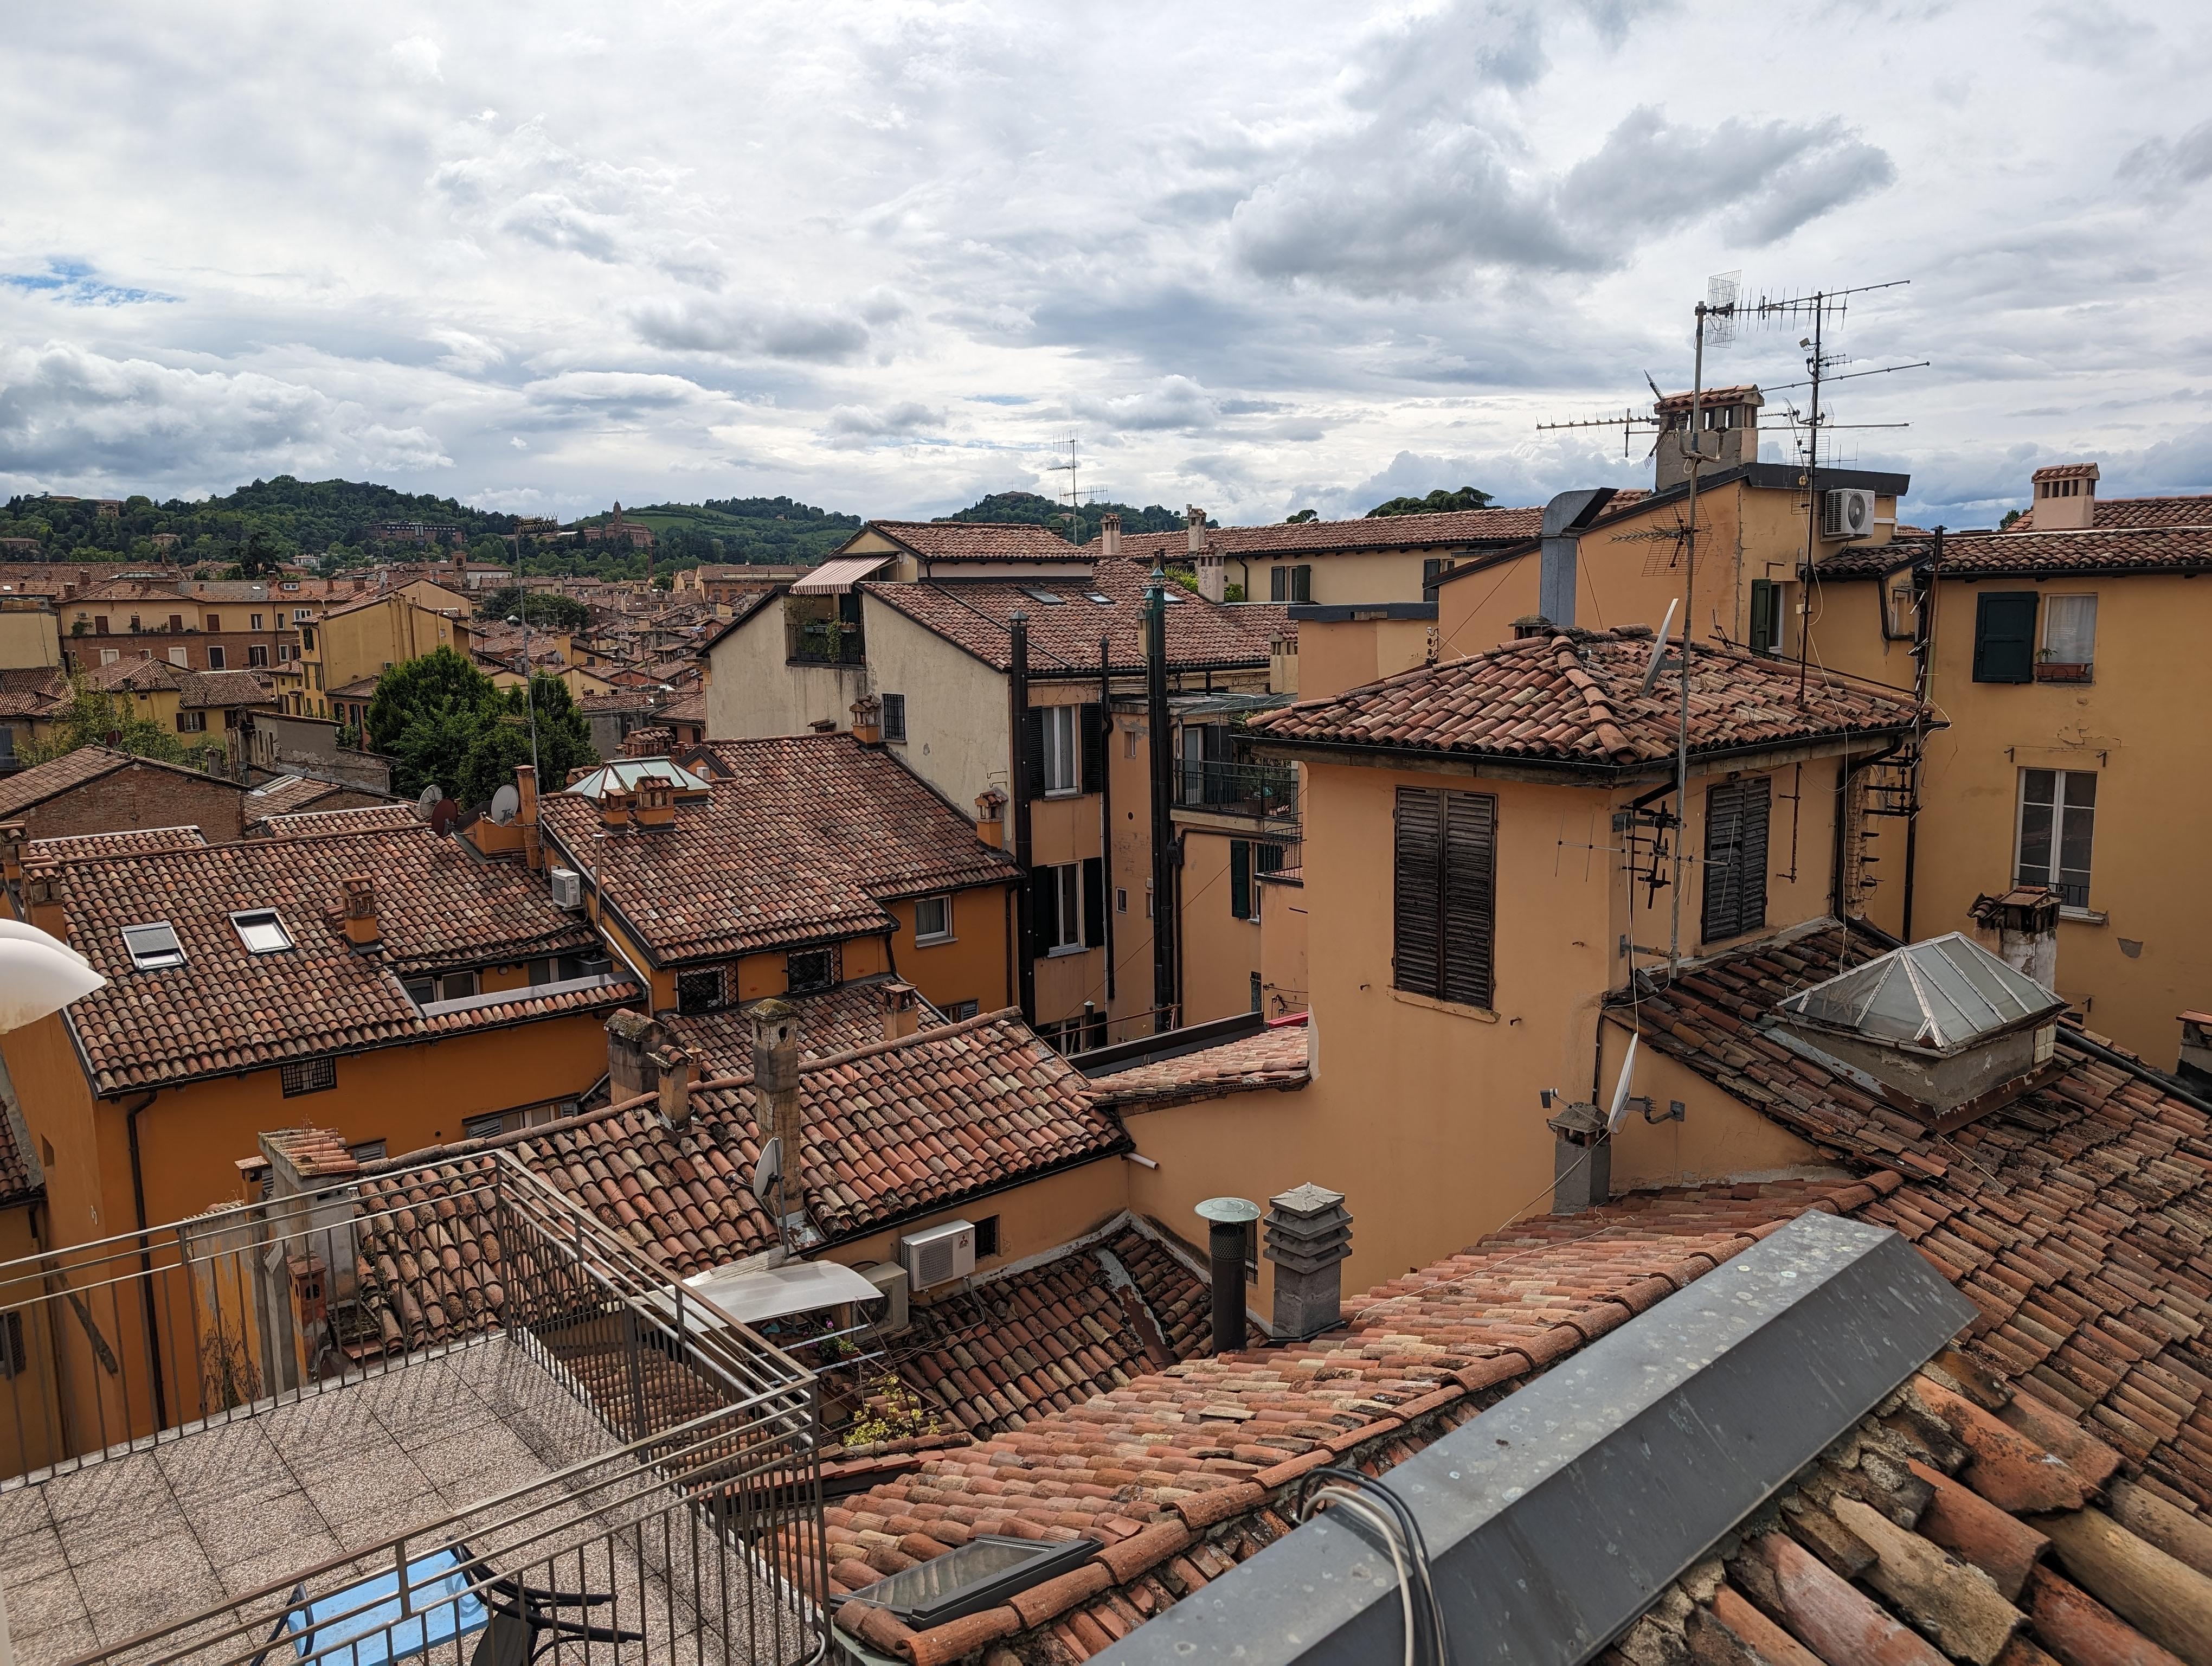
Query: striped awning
[[835, 577]]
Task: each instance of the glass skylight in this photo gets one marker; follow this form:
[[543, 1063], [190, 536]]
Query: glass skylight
[[1047, 597], [154, 945], [261, 931], [1941, 994]]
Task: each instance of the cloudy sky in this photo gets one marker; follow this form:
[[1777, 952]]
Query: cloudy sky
[[882, 255]]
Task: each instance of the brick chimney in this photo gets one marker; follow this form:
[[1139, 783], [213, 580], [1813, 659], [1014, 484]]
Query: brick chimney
[[1110, 535], [14, 835], [2066, 498], [360, 927], [635, 1043], [1308, 1238], [776, 1088], [42, 882], [990, 818], [1193, 521], [675, 1086], [901, 1010], [615, 807], [654, 806]]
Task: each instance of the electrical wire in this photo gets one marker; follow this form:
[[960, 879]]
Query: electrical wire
[[1349, 1489]]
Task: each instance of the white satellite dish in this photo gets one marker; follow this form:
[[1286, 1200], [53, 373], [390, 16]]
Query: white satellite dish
[[428, 802], [505, 803], [767, 1173], [1619, 1106], [36, 981], [1659, 648], [18, 931]]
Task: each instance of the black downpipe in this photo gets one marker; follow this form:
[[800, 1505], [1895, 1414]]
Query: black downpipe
[[1106, 805], [146, 1263], [1018, 689], [1161, 761]]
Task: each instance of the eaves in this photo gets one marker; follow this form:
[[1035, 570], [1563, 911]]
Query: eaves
[[1569, 772]]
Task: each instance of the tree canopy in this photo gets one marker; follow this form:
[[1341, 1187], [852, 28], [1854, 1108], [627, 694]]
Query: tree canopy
[[1031, 509], [545, 609], [441, 720], [1438, 502], [96, 718]]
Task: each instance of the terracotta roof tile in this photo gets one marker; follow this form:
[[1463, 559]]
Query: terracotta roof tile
[[836, 1020], [974, 540], [1456, 528], [1274, 1058], [286, 795], [34, 785], [2150, 547], [82, 846], [226, 688], [1577, 698], [319, 823], [2109, 513]]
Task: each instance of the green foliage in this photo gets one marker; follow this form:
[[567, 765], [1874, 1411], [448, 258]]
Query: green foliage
[[2011, 515], [1303, 516], [95, 718], [892, 1411], [440, 719], [1030, 509], [774, 532], [545, 610], [1435, 504]]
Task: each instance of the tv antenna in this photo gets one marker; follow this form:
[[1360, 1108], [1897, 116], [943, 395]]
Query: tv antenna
[[1073, 495]]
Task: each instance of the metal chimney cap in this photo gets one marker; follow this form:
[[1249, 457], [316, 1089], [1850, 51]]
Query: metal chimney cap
[[1228, 1211]]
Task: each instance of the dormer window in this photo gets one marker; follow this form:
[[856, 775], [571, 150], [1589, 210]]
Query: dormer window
[[154, 946], [261, 931], [806, 971]]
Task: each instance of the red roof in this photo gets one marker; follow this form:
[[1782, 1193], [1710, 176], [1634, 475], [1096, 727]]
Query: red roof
[[2100, 549], [1274, 1058], [361, 818], [970, 540], [2116, 513], [1455, 529], [1577, 698], [27, 788]]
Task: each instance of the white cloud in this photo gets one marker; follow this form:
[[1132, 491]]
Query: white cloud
[[418, 56]]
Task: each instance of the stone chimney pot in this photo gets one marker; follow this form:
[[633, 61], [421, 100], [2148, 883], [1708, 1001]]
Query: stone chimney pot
[[1309, 1237]]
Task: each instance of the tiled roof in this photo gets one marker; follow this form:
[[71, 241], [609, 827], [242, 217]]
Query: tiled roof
[[2114, 513], [798, 841], [972, 541], [136, 842], [1578, 699], [2147, 549], [320, 823], [1181, 1473], [1707, 398], [225, 1010], [1064, 635], [30, 691], [836, 1020], [133, 675], [226, 688], [286, 795], [1456, 528], [691, 708], [1022, 1345], [892, 1131], [26, 788], [2067, 471], [2074, 1217], [21, 1176], [1274, 1058], [317, 1153]]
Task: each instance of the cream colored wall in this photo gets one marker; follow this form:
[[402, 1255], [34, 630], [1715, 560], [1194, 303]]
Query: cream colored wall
[[1719, 1137], [1361, 575], [1347, 653], [1282, 930], [755, 691], [1220, 953], [1034, 1217], [28, 638], [958, 738]]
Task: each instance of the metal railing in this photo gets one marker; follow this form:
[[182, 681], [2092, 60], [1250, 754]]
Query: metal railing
[[688, 1510], [1269, 791], [826, 643]]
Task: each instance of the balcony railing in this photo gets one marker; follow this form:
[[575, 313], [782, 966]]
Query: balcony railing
[[826, 644], [1268, 791], [690, 1517]]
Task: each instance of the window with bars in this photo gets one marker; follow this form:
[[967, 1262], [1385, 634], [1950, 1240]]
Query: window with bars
[[1735, 857], [307, 1076], [806, 971], [894, 717], [2058, 821], [1443, 895], [701, 991]]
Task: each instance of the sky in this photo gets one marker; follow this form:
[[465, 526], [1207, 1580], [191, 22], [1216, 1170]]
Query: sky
[[886, 257]]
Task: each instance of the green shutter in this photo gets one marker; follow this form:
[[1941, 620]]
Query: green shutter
[[1240, 879], [1762, 616], [2004, 636]]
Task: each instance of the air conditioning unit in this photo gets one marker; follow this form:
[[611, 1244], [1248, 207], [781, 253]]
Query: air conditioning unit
[[568, 888], [1847, 512], [947, 1251], [891, 1279]]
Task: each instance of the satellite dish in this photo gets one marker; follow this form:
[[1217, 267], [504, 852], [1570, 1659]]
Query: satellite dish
[[427, 801], [443, 817], [1619, 1106], [1659, 648], [505, 803], [767, 1173]]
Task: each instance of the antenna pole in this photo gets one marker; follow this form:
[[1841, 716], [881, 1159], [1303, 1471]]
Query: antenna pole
[[1812, 504], [1689, 597]]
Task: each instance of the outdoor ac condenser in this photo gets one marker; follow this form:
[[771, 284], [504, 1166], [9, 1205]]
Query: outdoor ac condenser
[[943, 1252], [1847, 512], [568, 888], [892, 1280]]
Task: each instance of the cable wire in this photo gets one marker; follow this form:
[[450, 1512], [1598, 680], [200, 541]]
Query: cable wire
[[1344, 1488]]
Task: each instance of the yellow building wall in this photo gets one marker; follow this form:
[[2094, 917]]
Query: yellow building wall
[[1283, 928], [1719, 1137], [1347, 575], [975, 965], [1220, 953], [29, 637], [1034, 1217]]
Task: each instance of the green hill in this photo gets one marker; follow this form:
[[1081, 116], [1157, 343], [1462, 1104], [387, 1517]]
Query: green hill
[[769, 531], [1032, 510]]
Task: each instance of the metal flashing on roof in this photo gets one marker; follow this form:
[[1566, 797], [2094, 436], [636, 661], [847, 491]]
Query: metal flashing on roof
[[1559, 1516], [1340, 612]]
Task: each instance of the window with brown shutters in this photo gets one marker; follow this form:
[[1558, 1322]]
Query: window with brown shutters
[[1735, 857], [1443, 894]]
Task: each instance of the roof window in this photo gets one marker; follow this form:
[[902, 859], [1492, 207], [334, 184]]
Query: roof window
[[979, 1575], [154, 945], [261, 931], [1102, 601], [1049, 598]]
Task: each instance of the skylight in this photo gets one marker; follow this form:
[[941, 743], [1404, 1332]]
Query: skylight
[[261, 931], [1939, 995], [1047, 597], [1102, 601], [978, 1575], [154, 945]]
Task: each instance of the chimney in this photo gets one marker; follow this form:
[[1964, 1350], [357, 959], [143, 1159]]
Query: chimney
[[1109, 535], [615, 806], [1230, 1223], [1727, 433], [675, 1085], [635, 1042], [361, 926], [990, 810], [1565, 517], [14, 835], [776, 1090], [2066, 498], [901, 1010], [868, 721], [1212, 576], [654, 803], [1194, 522], [526, 815], [1308, 1238], [1581, 1159], [2021, 929], [42, 897]]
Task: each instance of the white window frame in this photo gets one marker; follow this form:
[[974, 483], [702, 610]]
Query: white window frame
[[149, 952], [2059, 808], [275, 939], [2050, 612], [1063, 751], [943, 933], [444, 989], [1069, 878]]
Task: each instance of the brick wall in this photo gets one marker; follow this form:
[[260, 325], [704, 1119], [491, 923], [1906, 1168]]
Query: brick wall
[[82, 651], [141, 795]]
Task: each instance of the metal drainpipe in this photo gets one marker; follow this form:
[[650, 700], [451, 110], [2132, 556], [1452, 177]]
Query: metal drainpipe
[[146, 1261], [1106, 813], [1017, 694], [1162, 762]]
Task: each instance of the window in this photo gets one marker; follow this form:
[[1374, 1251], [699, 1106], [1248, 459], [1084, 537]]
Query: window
[[421, 990], [215, 621], [180, 656], [214, 659], [154, 946], [488, 1126], [108, 656], [257, 622], [1432, 569], [100, 625], [1442, 894], [807, 971], [1735, 857], [368, 1150], [2004, 636], [1067, 906], [1765, 616], [1121, 899], [1063, 763], [1240, 881], [932, 920], [193, 722], [261, 931], [986, 1237], [1258, 992], [701, 991], [963, 1009], [13, 1360], [257, 653], [302, 615], [2070, 631], [1049, 598], [894, 717], [1289, 584], [457, 985], [308, 1076], [2058, 816]]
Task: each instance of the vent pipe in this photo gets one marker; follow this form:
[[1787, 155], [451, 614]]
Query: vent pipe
[[1565, 517], [1230, 1222], [1309, 1239]]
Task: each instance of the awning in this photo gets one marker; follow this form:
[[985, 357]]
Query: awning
[[797, 1287], [835, 577]]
